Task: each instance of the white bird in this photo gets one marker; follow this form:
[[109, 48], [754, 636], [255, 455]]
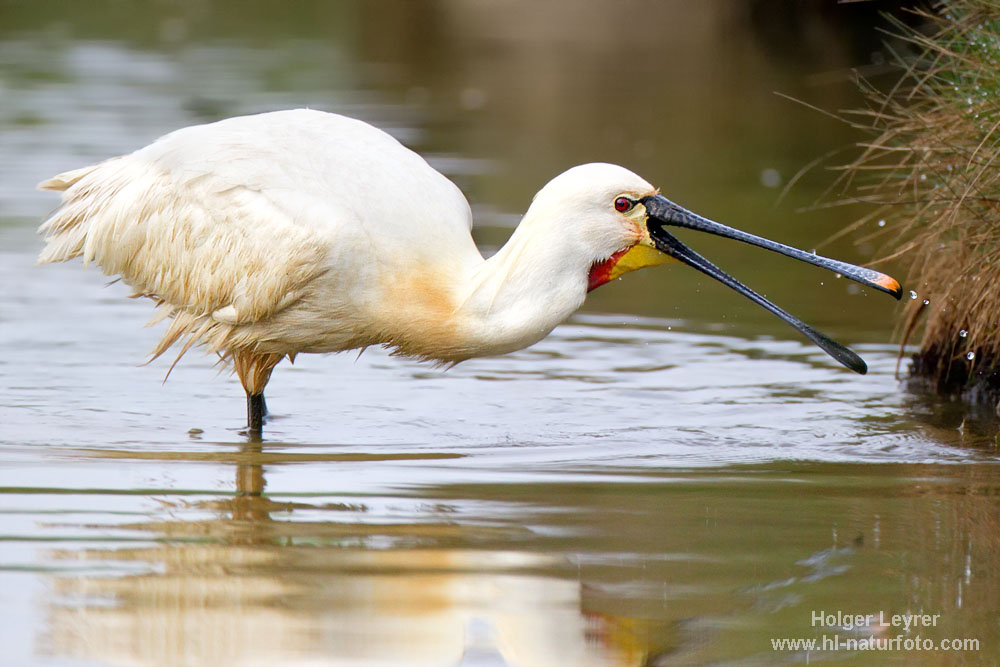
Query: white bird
[[260, 237]]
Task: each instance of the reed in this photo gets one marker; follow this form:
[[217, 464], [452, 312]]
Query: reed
[[932, 171]]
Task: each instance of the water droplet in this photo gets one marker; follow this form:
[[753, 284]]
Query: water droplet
[[813, 251], [913, 295], [970, 356], [839, 276], [881, 223], [926, 302], [923, 177], [963, 333]]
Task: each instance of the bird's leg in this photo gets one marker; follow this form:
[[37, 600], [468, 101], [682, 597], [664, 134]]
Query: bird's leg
[[254, 369], [256, 409]]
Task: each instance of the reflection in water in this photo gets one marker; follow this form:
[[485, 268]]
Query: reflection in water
[[687, 566], [247, 587]]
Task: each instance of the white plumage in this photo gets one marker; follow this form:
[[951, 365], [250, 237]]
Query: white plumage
[[265, 236]]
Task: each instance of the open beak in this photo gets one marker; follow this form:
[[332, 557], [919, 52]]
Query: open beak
[[663, 212]]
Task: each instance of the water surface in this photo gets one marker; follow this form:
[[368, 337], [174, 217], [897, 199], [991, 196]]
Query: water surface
[[672, 477]]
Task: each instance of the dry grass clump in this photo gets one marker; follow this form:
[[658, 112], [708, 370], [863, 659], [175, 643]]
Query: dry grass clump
[[933, 171]]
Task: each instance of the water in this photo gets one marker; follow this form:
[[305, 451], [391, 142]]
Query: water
[[672, 477]]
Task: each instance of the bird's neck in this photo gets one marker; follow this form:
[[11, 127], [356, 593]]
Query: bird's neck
[[517, 296]]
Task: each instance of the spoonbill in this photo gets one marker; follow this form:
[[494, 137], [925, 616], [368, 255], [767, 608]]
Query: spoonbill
[[260, 237]]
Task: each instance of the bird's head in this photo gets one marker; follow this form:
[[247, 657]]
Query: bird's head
[[623, 222]]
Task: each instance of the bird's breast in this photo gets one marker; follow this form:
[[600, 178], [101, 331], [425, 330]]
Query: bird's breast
[[418, 315]]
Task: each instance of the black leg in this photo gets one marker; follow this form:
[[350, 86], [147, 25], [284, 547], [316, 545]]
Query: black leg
[[255, 414]]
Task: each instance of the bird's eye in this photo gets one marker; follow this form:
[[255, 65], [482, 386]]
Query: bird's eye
[[623, 204]]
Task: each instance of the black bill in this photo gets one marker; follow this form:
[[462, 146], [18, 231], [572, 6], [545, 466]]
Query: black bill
[[663, 212]]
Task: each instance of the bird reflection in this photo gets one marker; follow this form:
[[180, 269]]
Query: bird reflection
[[249, 504], [262, 582]]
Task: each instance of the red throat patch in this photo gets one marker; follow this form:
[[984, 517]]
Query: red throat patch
[[600, 272]]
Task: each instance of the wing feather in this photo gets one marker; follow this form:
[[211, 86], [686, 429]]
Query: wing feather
[[198, 245]]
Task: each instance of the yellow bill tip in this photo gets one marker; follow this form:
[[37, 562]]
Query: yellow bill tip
[[889, 284]]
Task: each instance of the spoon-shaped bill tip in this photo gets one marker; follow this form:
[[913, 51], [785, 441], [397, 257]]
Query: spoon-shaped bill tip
[[889, 284]]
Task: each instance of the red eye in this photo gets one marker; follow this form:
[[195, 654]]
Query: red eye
[[623, 204]]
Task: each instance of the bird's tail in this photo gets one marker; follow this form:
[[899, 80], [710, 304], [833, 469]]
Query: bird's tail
[[64, 180], [65, 231]]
